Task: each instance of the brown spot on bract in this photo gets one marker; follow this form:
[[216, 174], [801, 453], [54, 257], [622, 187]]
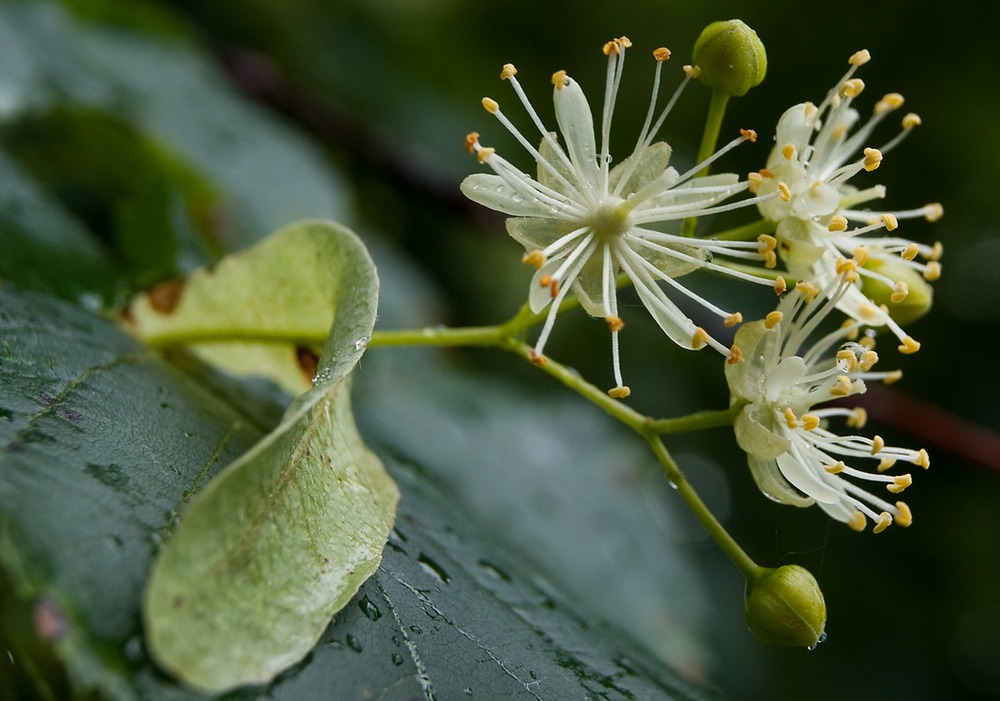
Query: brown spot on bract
[[50, 622], [165, 297], [308, 362]]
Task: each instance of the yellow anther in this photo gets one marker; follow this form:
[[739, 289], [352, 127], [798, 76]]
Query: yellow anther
[[810, 110], [624, 42], [932, 271], [860, 254], [909, 346], [692, 72], [842, 388], [810, 421], [733, 319], [784, 194], [754, 180], [770, 260], [559, 79], [767, 243], [788, 151], [836, 468], [894, 376], [779, 285], [890, 221], [554, 288], [868, 360], [508, 71], [807, 290], [749, 134], [857, 521], [537, 358], [888, 103], [867, 342], [860, 58], [852, 276], [933, 211], [620, 392], [900, 291], [661, 54], [838, 222], [867, 311], [872, 158], [790, 419], [878, 443], [910, 252], [699, 339], [845, 265], [615, 323], [937, 250], [922, 459], [471, 141], [735, 355], [884, 521], [885, 464], [535, 258], [852, 87], [612, 47], [899, 483], [773, 319], [911, 120], [858, 417], [484, 154], [491, 105], [904, 517], [849, 360], [850, 330], [766, 173]]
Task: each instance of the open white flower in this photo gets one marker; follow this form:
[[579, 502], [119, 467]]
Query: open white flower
[[584, 223], [820, 223], [793, 455]]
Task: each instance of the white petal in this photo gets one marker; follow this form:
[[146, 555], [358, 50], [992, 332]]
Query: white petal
[[589, 287], [556, 160], [793, 128], [576, 122], [641, 168], [806, 480], [537, 232], [756, 440], [773, 485], [540, 297], [494, 192]]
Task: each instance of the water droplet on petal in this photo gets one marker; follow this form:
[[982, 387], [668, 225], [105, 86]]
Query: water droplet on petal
[[820, 641], [362, 343]]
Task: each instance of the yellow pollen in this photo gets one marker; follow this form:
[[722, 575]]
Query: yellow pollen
[[471, 140], [899, 292], [773, 319], [767, 243], [790, 420], [810, 421], [858, 417], [933, 211], [735, 355], [909, 346], [884, 521], [923, 459], [807, 290], [867, 311], [754, 180], [852, 333], [852, 276], [612, 47], [838, 222], [890, 221], [846, 356], [842, 388], [733, 319], [911, 120], [559, 79], [899, 483], [788, 151], [484, 154], [661, 54], [624, 42], [888, 103], [894, 376], [766, 173], [910, 252], [878, 443], [904, 517], [933, 271], [868, 342], [860, 58], [545, 280], [692, 71], [779, 285], [554, 288], [810, 110], [937, 249], [620, 392], [852, 87], [836, 468], [845, 265], [868, 360], [537, 358], [699, 339], [615, 323], [508, 71], [857, 521], [534, 258], [784, 193], [886, 464], [491, 105], [749, 134], [860, 255], [872, 158], [770, 260]]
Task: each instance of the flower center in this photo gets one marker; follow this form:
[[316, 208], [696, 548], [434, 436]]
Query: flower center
[[610, 220]]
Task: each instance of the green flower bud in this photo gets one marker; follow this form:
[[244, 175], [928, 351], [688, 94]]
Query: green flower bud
[[911, 297], [731, 57], [785, 606]]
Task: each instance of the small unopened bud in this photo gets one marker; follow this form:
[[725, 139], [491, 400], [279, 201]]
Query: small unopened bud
[[731, 57], [919, 294], [785, 606]]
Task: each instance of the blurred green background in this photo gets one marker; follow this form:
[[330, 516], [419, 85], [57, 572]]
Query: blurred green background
[[391, 87]]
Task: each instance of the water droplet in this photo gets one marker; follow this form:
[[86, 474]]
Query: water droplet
[[468, 692], [416, 630], [369, 609], [820, 641], [361, 343], [517, 197], [434, 569], [495, 570], [397, 659], [501, 188], [354, 643]]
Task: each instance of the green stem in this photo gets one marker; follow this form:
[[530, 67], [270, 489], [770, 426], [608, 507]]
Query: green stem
[[697, 421], [709, 139]]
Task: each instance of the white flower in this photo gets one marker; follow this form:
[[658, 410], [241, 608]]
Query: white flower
[[819, 224], [793, 455], [584, 223]]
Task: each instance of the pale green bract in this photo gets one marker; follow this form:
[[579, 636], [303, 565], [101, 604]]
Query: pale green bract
[[285, 535]]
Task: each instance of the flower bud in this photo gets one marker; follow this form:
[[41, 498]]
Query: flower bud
[[785, 606], [731, 57], [917, 300]]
